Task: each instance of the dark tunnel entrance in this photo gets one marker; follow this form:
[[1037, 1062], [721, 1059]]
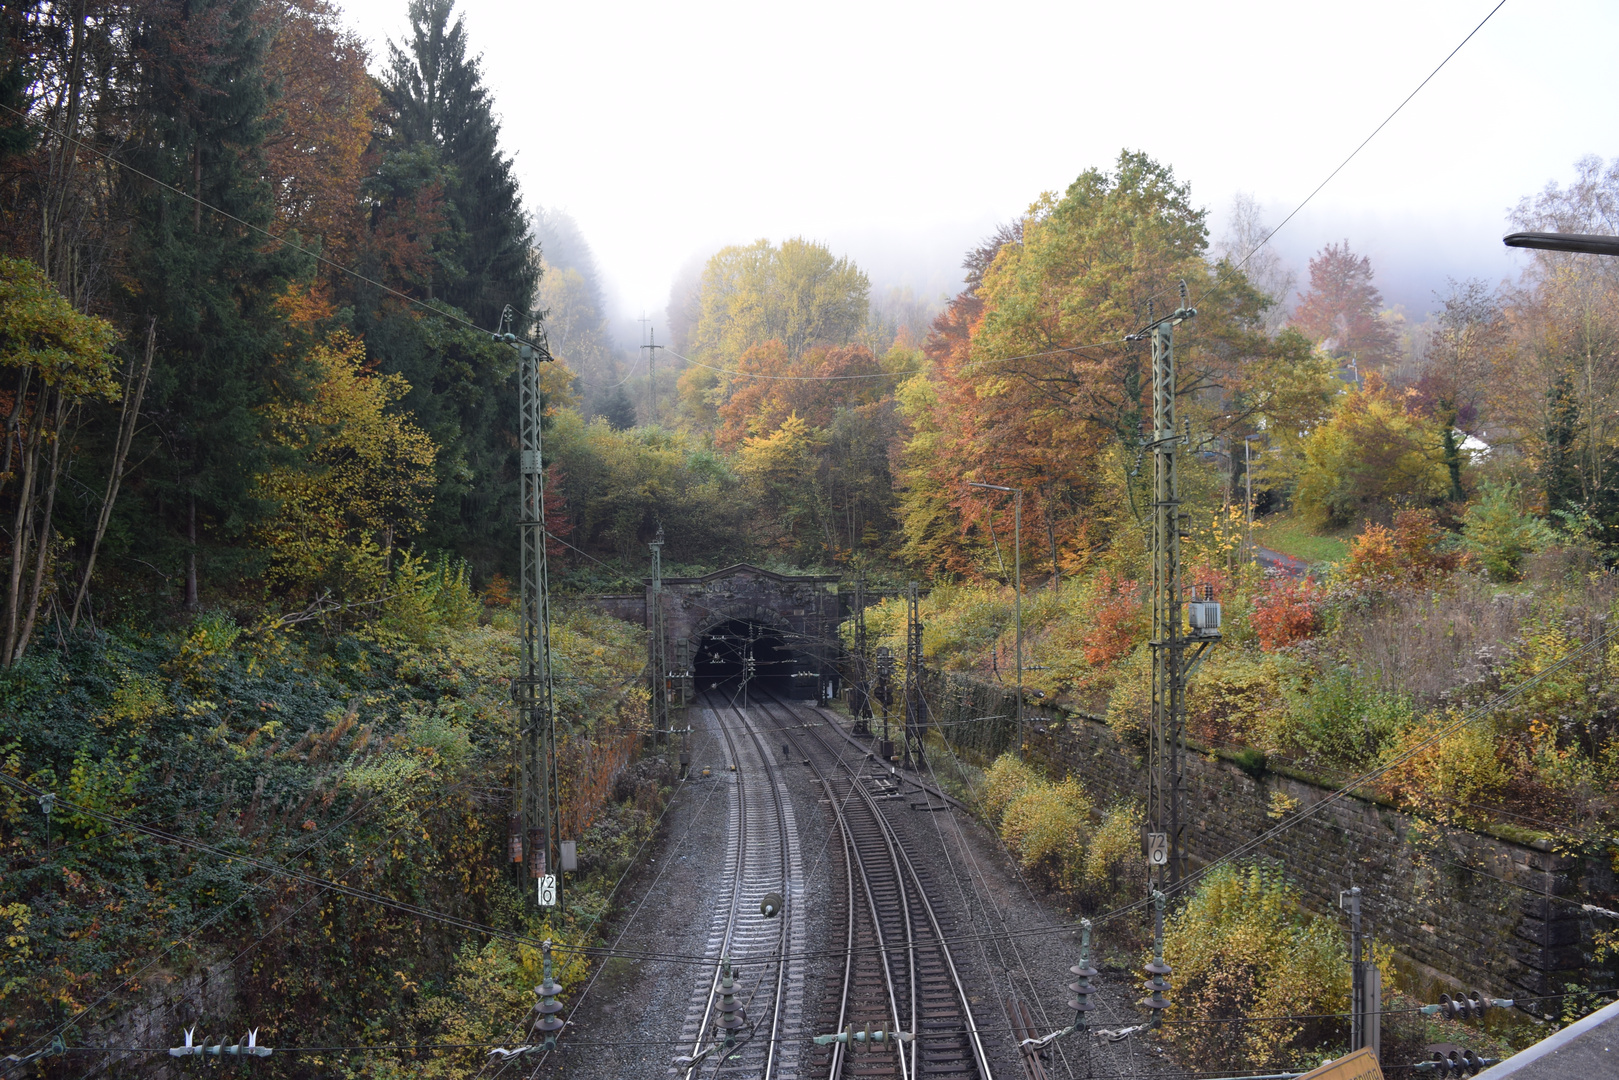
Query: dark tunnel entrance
[[722, 654]]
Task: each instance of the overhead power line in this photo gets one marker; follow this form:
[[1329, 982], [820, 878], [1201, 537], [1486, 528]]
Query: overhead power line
[[1353, 153]]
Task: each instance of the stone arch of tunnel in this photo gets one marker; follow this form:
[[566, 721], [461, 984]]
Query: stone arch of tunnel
[[789, 622], [797, 615]]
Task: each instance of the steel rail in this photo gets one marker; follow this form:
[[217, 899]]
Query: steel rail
[[906, 873], [740, 873]]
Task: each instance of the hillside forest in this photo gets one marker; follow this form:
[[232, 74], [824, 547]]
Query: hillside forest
[[258, 506]]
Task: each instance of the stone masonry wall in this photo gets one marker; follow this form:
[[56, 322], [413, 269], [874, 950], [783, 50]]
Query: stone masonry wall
[[1474, 910]]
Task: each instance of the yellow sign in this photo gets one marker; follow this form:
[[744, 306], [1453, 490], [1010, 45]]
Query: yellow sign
[[1361, 1065]]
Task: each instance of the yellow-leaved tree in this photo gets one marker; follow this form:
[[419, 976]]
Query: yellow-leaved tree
[[361, 486], [53, 359]]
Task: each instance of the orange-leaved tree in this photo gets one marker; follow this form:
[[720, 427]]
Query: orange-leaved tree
[[1034, 380]]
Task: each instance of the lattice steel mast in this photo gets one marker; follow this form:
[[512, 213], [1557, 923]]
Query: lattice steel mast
[[1166, 745], [537, 797]]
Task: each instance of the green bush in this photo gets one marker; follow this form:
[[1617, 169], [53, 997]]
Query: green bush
[[1500, 533], [1332, 720]]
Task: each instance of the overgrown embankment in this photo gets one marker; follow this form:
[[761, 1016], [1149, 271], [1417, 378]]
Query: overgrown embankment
[[378, 756]]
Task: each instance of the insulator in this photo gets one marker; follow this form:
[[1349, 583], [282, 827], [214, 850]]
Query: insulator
[[729, 1021], [1082, 988], [547, 1008]]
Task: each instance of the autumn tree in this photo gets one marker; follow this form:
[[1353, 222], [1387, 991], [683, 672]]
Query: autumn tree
[[53, 359], [1465, 352], [360, 485], [1034, 379], [770, 383], [797, 294], [319, 125], [1561, 394], [1377, 452], [1342, 309]]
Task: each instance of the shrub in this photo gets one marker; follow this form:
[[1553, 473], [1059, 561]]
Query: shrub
[[1046, 826], [1333, 720], [1113, 866], [1004, 781], [1129, 709], [1286, 611], [1444, 778], [1232, 697], [1244, 946], [1416, 550], [1499, 533], [1116, 620]]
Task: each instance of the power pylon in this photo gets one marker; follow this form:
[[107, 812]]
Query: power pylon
[[537, 797]]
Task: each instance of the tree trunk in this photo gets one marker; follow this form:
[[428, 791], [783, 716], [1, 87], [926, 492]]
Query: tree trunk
[[42, 549], [128, 417], [1051, 538], [22, 528], [13, 432], [192, 601]]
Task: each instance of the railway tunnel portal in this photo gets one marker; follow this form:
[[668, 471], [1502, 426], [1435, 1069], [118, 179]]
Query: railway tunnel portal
[[713, 624]]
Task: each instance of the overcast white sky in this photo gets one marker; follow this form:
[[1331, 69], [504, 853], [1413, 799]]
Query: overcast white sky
[[899, 133]]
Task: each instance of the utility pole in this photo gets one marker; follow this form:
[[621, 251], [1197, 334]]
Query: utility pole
[[651, 348], [885, 696], [916, 706], [538, 797], [748, 664], [861, 703], [1017, 589], [1366, 983], [658, 661], [1248, 481], [1167, 734]]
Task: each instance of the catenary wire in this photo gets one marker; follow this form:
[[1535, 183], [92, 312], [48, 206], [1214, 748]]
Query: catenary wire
[[1353, 153]]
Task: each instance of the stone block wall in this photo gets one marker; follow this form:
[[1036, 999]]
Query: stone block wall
[[1468, 908]]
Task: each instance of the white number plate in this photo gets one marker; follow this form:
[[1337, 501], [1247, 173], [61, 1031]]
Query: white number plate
[[547, 889]]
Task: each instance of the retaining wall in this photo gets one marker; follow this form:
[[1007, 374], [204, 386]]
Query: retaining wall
[[1477, 910]]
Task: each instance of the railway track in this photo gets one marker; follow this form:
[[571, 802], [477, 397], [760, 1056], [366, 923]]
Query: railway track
[[762, 857], [898, 973]]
